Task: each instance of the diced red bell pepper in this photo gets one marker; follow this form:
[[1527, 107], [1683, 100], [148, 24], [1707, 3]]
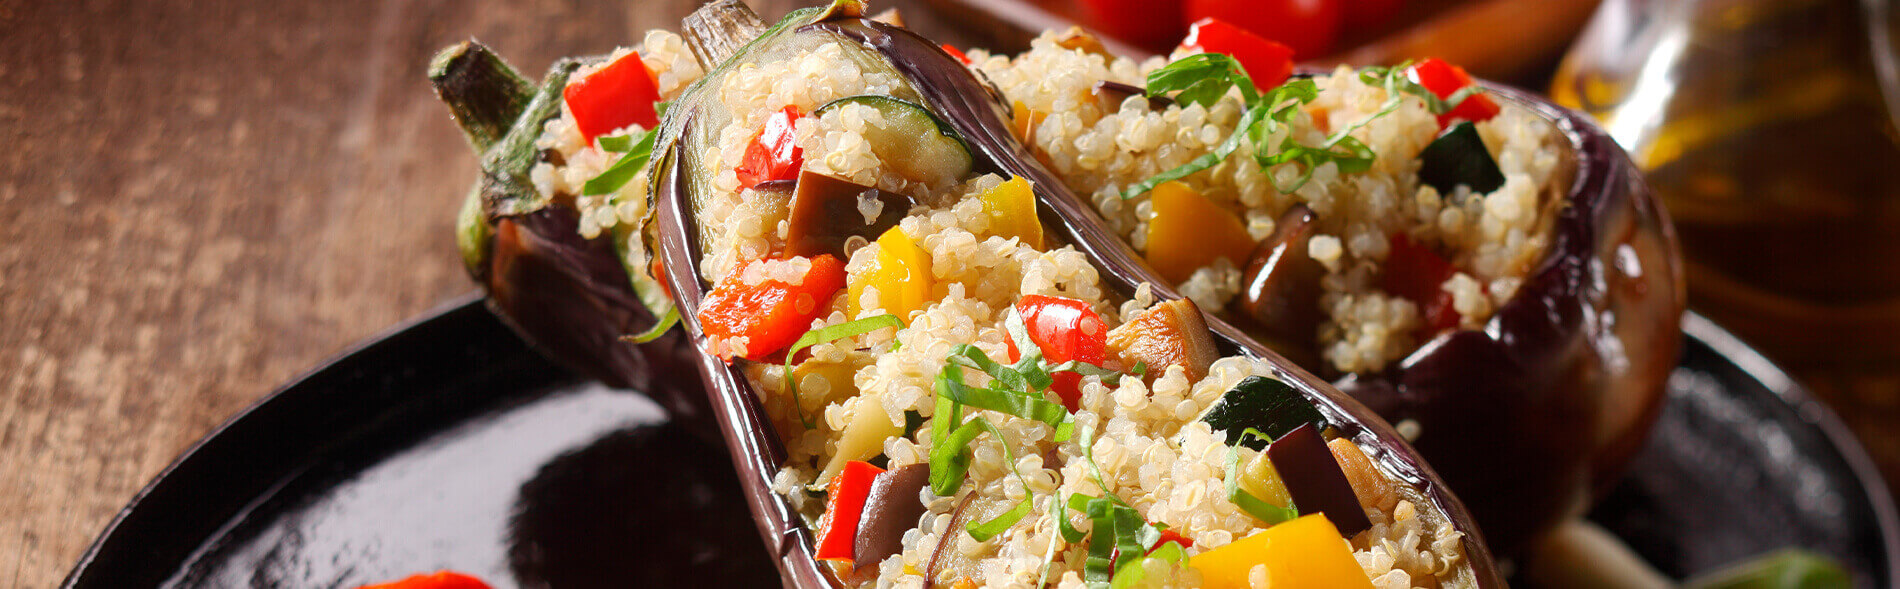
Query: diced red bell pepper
[[773, 313], [1268, 62], [954, 52], [618, 95], [1418, 274], [1169, 535], [436, 580], [1445, 79], [838, 528], [1066, 329], [773, 153]]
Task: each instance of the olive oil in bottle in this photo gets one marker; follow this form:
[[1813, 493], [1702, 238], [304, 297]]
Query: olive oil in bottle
[[1767, 129]]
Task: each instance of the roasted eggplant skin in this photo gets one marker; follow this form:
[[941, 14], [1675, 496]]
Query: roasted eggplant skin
[[1531, 416], [568, 296], [956, 95]]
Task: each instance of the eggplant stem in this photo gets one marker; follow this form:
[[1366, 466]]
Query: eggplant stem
[[506, 189], [483, 92], [717, 30]]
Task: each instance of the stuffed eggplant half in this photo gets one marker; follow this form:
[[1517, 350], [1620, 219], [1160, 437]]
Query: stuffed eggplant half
[[936, 363], [1485, 270]]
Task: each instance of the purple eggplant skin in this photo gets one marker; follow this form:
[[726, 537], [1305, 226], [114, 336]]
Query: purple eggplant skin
[[976, 112], [568, 296], [1534, 414]]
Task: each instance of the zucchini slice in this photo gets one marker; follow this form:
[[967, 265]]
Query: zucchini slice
[[1264, 404], [911, 139], [1459, 157]]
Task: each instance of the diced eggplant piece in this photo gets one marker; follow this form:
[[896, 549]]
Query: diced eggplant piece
[[914, 143], [1078, 39], [1270, 406], [827, 212], [1109, 95], [891, 509], [1167, 334], [1458, 156], [1373, 488], [1315, 481], [1280, 288]]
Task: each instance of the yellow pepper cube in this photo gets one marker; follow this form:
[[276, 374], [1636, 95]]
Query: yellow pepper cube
[[901, 275], [1304, 553], [1011, 207], [1189, 232]]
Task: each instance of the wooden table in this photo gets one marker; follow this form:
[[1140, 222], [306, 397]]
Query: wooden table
[[202, 199]]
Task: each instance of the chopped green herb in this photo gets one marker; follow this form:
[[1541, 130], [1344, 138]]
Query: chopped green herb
[[659, 328], [615, 143], [1259, 508], [828, 334], [1204, 78], [983, 531], [624, 169]]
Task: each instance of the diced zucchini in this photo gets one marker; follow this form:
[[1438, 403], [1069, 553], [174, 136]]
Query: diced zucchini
[[1459, 157], [912, 141], [1263, 404]]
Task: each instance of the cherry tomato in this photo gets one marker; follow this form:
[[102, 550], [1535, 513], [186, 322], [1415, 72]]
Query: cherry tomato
[[437, 580], [1142, 22], [1368, 13], [1307, 26], [1269, 63]]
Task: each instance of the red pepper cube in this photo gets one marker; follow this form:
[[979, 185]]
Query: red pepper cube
[[615, 96], [771, 314], [1268, 62], [436, 580], [957, 53], [1066, 329], [773, 153], [1445, 79], [838, 529], [1418, 274]]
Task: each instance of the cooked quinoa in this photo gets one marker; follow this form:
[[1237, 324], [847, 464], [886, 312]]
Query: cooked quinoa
[[1494, 238], [1151, 449]]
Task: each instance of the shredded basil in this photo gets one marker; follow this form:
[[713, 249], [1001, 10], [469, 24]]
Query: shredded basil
[[1259, 508], [983, 531], [822, 335], [624, 169], [659, 328], [1398, 78], [615, 143], [1204, 78], [950, 453], [1131, 574]]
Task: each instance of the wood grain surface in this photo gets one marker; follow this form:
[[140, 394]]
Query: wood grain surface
[[199, 200]]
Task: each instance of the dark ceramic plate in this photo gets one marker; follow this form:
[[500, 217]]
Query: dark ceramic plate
[[449, 444]]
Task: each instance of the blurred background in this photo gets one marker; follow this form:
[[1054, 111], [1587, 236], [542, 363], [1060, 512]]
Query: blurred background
[[201, 199]]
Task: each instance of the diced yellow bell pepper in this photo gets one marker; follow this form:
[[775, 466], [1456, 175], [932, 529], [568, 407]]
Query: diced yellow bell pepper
[[1304, 553], [1189, 232], [1012, 210], [901, 276]]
